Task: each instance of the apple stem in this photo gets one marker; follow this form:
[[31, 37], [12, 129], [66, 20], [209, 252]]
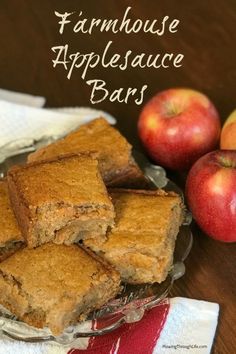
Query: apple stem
[[172, 110], [226, 162]]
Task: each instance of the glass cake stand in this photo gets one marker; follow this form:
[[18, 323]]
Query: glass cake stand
[[130, 305]]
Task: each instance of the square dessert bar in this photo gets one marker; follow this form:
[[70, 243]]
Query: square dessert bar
[[61, 200], [10, 236], [55, 285], [116, 163], [141, 244]]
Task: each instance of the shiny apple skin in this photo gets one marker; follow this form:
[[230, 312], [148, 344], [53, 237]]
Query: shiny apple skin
[[228, 133], [177, 126], [211, 194]]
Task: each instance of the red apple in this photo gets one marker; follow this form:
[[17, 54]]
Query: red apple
[[211, 194], [178, 126], [228, 133]]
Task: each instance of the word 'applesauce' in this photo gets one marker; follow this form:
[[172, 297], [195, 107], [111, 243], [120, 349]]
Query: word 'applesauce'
[[106, 60]]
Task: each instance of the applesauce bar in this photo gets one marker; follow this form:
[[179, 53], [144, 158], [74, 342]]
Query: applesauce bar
[[61, 200], [116, 163], [10, 235], [55, 285], [141, 244]]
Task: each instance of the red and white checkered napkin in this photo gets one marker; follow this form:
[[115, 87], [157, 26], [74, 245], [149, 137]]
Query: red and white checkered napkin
[[177, 325]]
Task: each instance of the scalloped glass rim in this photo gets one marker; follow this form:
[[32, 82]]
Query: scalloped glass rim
[[134, 300]]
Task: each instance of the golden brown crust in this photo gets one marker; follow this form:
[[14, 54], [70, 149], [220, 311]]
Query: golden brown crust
[[152, 192], [141, 243], [10, 236], [10, 248], [116, 164], [60, 200], [131, 177], [9, 229], [53, 285]]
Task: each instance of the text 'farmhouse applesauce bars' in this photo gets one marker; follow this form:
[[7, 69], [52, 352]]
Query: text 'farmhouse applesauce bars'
[[114, 154], [62, 200]]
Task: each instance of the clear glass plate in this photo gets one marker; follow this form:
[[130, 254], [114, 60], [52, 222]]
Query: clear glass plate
[[131, 304]]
